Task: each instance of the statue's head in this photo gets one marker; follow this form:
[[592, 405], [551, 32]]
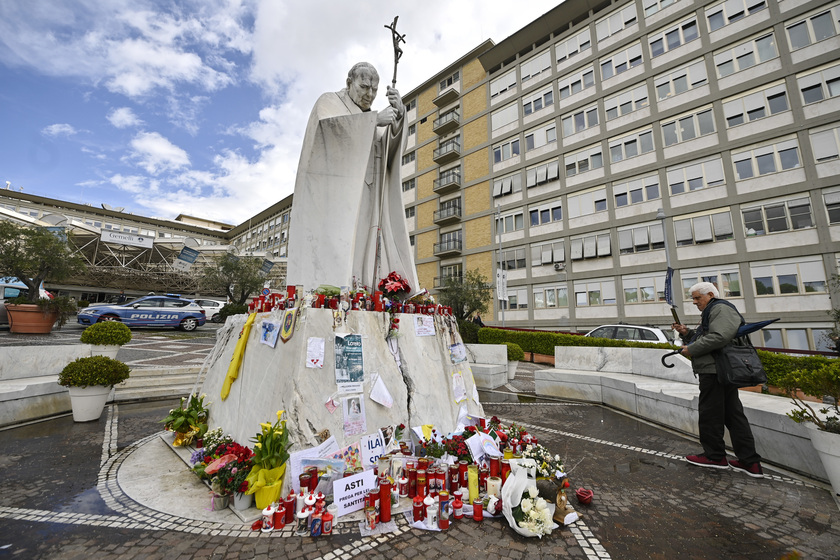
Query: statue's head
[[362, 84]]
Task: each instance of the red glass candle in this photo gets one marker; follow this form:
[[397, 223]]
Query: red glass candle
[[494, 466]]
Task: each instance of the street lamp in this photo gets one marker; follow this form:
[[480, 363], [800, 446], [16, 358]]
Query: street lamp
[[669, 274]]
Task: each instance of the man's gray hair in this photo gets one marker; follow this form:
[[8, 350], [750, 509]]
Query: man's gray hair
[[358, 66], [705, 288]]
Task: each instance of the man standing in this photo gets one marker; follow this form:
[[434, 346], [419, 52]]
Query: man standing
[[348, 219], [719, 405]]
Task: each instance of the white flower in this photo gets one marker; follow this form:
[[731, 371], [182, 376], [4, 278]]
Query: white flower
[[546, 516], [534, 514], [526, 506], [533, 492], [540, 505]]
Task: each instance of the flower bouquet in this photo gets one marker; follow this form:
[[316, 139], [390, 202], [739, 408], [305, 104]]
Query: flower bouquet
[[526, 513], [188, 421], [394, 286], [270, 455]]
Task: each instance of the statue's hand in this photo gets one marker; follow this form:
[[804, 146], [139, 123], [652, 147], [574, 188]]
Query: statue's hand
[[387, 116], [395, 101]]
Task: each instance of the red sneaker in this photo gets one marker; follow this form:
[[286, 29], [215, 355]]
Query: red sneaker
[[703, 461], [753, 470]]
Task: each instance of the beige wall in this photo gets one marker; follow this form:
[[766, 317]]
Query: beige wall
[[426, 185], [477, 233], [475, 133], [475, 166], [426, 274], [425, 214], [474, 102], [471, 74], [424, 156], [476, 198], [426, 246]]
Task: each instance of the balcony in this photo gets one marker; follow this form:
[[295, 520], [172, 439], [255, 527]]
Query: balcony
[[449, 248], [447, 96], [447, 151], [440, 281], [446, 123], [447, 183], [448, 215]]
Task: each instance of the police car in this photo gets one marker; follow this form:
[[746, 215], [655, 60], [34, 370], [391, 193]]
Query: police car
[[149, 311]]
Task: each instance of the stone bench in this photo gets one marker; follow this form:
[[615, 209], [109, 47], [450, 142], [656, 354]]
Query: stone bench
[[489, 364], [633, 380]]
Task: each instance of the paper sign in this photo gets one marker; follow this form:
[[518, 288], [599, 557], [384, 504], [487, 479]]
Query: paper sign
[[352, 456], [326, 449], [349, 366], [424, 325], [268, 332], [354, 415], [349, 493], [372, 448], [331, 404], [458, 353], [315, 352], [458, 387], [380, 394]]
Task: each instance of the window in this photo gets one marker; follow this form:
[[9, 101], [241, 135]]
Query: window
[[819, 85], [450, 80], [546, 213], [585, 160], [510, 223], [681, 80], [408, 185], [547, 134], [507, 185], [587, 202], [448, 177], [548, 297], [451, 271], [706, 228], [542, 173], [450, 241], [727, 281], [626, 102], [632, 145], [644, 289], [504, 116], [824, 144], [576, 82], [779, 278], [673, 37], [535, 66], [591, 246], [745, 55], [512, 259], [409, 212], [594, 293], [533, 102], [688, 127], [412, 129], [517, 299], [636, 190], [639, 239], [620, 62], [411, 105], [573, 45], [724, 13], [695, 175], [653, 6], [502, 84], [832, 204], [579, 120], [755, 105], [813, 29], [408, 158], [548, 253], [770, 158], [616, 21], [778, 216], [506, 150]]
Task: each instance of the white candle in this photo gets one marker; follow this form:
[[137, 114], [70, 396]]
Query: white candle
[[494, 486]]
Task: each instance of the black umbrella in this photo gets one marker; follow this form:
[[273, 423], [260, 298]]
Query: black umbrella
[[743, 330]]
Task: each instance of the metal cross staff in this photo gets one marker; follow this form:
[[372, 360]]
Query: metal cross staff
[[398, 52]]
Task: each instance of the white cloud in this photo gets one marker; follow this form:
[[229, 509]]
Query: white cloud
[[124, 117], [62, 129], [156, 154]]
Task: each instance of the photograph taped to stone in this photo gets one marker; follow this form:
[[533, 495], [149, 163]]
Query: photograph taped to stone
[[354, 415]]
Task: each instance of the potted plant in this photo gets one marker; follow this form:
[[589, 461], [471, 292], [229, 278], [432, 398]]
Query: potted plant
[[106, 337], [89, 381], [271, 451], [188, 421], [36, 254], [514, 355], [822, 421]]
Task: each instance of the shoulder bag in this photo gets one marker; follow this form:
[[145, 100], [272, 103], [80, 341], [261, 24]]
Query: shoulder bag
[[738, 365]]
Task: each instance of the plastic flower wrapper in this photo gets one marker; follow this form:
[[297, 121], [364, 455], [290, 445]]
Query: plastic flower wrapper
[[394, 286], [549, 467], [526, 513], [270, 456]]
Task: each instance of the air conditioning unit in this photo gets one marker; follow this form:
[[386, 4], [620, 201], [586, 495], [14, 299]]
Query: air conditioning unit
[[559, 266]]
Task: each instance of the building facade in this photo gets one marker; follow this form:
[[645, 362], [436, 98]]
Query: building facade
[[601, 141]]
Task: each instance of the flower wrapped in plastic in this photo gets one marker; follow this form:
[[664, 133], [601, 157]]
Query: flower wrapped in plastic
[[270, 455], [526, 513], [394, 286]]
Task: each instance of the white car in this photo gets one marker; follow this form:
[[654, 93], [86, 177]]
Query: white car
[[11, 287], [635, 333], [211, 308]]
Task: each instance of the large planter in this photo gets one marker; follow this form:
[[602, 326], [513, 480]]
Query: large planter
[[88, 402], [110, 350], [27, 318], [512, 370], [827, 446], [243, 501]]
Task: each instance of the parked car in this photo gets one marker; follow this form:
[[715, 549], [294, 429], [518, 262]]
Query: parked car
[[211, 308], [636, 333], [149, 311], [11, 287]]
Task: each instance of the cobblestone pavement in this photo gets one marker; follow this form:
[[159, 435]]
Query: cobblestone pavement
[[59, 498]]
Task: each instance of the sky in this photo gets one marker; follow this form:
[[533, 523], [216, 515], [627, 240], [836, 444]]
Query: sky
[[198, 107]]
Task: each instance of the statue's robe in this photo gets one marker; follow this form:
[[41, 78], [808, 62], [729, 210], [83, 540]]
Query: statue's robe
[[347, 191]]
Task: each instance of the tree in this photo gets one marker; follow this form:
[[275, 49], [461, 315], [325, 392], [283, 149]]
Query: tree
[[467, 296], [237, 277], [36, 254]]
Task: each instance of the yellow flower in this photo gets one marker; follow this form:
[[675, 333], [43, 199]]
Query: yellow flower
[[280, 414], [258, 444], [266, 425]]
